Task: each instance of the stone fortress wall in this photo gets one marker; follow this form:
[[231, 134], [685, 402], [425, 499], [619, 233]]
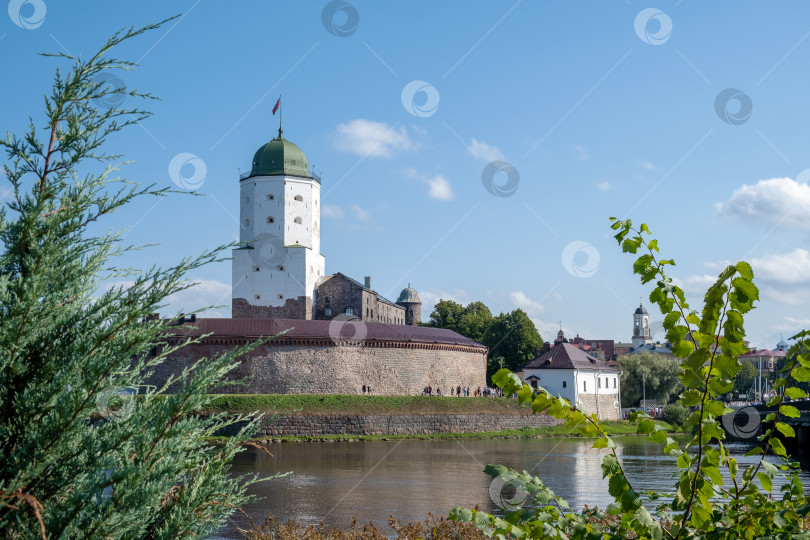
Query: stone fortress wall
[[323, 368]]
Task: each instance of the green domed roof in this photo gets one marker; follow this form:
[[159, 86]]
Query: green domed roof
[[280, 157], [408, 295]]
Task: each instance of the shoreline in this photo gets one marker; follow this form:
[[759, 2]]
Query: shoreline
[[358, 418]]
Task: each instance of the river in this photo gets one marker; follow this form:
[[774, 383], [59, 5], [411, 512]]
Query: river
[[335, 482]]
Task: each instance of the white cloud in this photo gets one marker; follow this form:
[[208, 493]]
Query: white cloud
[[548, 331], [697, 284], [481, 150], [373, 139], [332, 211], [647, 165], [582, 155], [531, 307], [439, 188], [205, 292], [788, 268], [777, 201], [361, 214], [431, 297], [604, 186]]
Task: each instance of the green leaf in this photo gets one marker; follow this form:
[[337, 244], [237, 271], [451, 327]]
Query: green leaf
[[525, 394], [785, 429], [790, 411], [630, 501], [713, 474], [801, 374], [610, 465], [733, 467], [507, 381], [795, 393], [766, 482], [778, 448], [753, 451], [646, 426], [461, 514], [617, 485]]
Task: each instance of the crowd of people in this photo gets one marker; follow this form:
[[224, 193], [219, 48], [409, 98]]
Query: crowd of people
[[463, 392]]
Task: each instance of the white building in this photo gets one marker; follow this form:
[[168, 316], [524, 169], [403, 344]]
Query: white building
[[276, 273], [585, 381]]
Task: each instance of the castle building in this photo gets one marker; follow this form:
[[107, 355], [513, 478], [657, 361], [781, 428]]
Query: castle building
[[279, 272], [333, 335]]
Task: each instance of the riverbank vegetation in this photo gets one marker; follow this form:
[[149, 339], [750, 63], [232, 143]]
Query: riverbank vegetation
[[712, 498], [79, 456]]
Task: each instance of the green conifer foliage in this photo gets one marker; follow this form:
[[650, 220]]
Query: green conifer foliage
[[87, 450]]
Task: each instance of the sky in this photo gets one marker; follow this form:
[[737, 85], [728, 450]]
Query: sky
[[472, 150]]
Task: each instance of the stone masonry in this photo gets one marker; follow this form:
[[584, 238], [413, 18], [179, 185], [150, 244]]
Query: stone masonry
[[411, 424], [389, 369]]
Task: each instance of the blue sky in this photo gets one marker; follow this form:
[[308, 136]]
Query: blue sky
[[600, 108]]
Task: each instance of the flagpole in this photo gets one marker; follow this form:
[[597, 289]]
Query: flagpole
[[280, 111]]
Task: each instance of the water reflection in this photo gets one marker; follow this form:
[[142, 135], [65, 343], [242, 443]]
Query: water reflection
[[334, 482]]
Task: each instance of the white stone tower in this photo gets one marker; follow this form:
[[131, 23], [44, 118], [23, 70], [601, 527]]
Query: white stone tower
[[641, 328], [275, 274]]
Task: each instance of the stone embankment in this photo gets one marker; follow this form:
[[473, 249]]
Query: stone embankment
[[314, 425]]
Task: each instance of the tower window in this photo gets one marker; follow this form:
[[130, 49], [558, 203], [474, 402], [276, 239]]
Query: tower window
[[247, 200], [327, 312], [256, 268], [247, 222], [298, 220], [299, 198], [281, 297], [270, 197], [270, 219], [257, 296], [349, 310], [281, 267], [326, 300]]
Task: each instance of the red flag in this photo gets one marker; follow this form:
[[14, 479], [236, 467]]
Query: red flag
[[278, 103]]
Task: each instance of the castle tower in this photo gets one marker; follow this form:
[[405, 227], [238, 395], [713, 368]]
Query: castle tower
[[409, 299], [276, 272], [641, 327]]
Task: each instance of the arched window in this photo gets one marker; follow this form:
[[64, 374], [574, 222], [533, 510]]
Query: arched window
[[298, 220], [270, 219], [299, 198]]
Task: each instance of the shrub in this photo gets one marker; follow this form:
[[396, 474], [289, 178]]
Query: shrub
[[702, 503], [676, 413]]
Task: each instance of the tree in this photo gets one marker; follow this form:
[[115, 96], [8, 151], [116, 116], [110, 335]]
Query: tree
[[745, 378], [712, 497], [475, 321], [657, 373], [513, 337], [86, 449], [446, 314]]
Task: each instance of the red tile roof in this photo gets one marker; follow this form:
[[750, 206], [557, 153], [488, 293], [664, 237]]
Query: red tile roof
[[305, 329], [567, 356]]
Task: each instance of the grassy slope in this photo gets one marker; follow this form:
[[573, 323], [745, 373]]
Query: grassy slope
[[353, 404]]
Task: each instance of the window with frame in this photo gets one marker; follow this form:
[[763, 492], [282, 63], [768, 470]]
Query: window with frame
[[584, 386], [349, 310], [565, 384], [327, 312]]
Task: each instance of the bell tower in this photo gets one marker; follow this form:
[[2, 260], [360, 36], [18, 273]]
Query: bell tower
[[641, 327]]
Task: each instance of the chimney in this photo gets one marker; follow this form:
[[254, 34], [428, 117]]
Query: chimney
[[368, 282], [546, 346]]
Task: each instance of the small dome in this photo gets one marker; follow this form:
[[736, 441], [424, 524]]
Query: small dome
[[782, 345], [280, 157], [408, 295], [641, 311]]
